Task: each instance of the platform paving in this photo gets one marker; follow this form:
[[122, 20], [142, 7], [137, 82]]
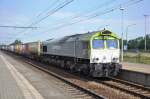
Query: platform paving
[[14, 85], [8, 86], [33, 83], [143, 68]]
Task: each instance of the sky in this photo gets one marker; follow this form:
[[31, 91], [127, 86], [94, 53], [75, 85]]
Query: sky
[[25, 12]]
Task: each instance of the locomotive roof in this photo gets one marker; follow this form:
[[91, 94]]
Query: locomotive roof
[[81, 37]]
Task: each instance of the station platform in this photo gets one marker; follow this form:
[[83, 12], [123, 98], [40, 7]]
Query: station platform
[[9, 88], [143, 68], [19, 81]]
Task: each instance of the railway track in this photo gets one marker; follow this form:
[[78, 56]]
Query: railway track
[[128, 87], [75, 89], [82, 89]]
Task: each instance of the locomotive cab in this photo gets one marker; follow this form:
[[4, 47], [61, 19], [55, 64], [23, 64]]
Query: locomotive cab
[[104, 54]]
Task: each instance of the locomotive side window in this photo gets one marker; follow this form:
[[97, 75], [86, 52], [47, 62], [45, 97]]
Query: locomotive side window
[[85, 45], [44, 48], [98, 44], [112, 44]]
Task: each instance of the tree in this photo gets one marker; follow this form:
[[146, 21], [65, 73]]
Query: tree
[[16, 42], [139, 43]]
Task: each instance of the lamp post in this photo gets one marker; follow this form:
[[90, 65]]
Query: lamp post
[[127, 32], [145, 32], [122, 28]]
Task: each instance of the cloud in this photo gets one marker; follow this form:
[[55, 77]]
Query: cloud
[[13, 19], [63, 14]]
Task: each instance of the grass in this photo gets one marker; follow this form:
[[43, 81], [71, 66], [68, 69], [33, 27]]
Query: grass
[[139, 57]]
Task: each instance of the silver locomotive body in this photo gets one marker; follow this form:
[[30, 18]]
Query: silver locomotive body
[[76, 53]]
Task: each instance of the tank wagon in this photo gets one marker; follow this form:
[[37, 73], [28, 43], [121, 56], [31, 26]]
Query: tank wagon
[[31, 49], [93, 53]]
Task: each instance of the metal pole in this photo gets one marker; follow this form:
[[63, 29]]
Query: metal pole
[[127, 35], [127, 32], [145, 32], [122, 28]]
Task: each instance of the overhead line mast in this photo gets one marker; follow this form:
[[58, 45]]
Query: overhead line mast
[[146, 16]]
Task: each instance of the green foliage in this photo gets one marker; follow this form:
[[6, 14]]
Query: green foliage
[[139, 43], [140, 57], [16, 42]]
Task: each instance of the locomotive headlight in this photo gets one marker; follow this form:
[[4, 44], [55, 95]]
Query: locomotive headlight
[[95, 59], [115, 59]]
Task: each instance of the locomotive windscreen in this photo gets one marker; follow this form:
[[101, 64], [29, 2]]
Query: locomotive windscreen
[[112, 44], [98, 44]]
